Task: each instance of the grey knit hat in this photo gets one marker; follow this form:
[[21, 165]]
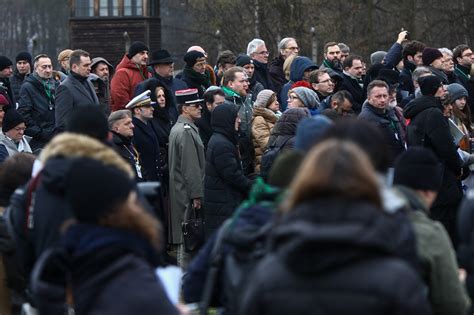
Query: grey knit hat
[[263, 97], [309, 98], [377, 57], [456, 91]]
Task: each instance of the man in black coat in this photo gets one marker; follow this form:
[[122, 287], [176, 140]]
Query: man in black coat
[[37, 102], [6, 70], [23, 68], [144, 136], [257, 50], [376, 110], [213, 97], [429, 128], [225, 184], [75, 90], [352, 81], [163, 68]]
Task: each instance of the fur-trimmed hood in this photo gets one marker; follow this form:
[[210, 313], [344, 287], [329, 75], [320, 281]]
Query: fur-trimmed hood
[[71, 145]]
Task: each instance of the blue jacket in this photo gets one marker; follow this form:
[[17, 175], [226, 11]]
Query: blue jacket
[[298, 67]]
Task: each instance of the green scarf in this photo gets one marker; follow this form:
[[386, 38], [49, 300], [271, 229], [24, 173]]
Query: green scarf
[[230, 92]]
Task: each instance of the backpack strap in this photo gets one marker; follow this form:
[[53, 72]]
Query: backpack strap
[[30, 202], [217, 258]]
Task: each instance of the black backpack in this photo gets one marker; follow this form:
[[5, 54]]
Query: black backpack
[[269, 156], [249, 245]]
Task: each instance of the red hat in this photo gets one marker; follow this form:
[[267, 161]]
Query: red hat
[[3, 100]]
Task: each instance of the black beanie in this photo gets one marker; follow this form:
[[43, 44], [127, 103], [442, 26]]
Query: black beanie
[[5, 62], [135, 48], [243, 60], [11, 119], [418, 168], [429, 55], [190, 57], [94, 189], [24, 55], [429, 85], [90, 121]]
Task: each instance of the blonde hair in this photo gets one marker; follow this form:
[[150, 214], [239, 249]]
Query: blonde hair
[[334, 168], [287, 65]]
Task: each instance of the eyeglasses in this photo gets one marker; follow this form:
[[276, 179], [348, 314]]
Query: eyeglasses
[[328, 81], [293, 48], [293, 97], [263, 53]]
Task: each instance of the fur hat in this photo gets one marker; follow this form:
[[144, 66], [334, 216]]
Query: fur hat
[[135, 48], [191, 57], [11, 119], [430, 54], [418, 168], [263, 98], [5, 62], [309, 98], [456, 91], [64, 54], [429, 84], [89, 203]]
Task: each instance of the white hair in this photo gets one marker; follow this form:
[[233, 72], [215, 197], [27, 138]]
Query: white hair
[[253, 45], [446, 51], [284, 43]]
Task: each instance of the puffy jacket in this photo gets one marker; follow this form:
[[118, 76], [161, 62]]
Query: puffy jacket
[[262, 124], [126, 78], [332, 257], [298, 67], [225, 184]]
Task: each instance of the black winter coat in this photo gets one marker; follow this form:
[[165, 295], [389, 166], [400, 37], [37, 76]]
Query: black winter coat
[[111, 272], [262, 75], [276, 73], [429, 128], [284, 132], [352, 86], [390, 126], [225, 185], [38, 110], [16, 80], [465, 250], [146, 143], [334, 257], [125, 148]]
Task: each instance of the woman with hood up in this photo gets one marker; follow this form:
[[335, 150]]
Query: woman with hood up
[[225, 184]]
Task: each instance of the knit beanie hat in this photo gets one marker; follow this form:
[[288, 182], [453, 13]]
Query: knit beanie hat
[[456, 91], [263, 97], [3, 100], [24, 55], [430, 54], [310, 131], [135, 48], [5, 62], [191, 57], [418, 168], [11, 119], [429, 84], [243, 60], [377, 57], [309, 98], [87, 200]]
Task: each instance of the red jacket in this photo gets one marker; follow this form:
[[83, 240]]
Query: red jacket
[[127, 76]]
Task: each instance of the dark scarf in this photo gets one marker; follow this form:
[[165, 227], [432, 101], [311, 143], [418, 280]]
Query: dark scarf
[[49, 87], [197, 78]]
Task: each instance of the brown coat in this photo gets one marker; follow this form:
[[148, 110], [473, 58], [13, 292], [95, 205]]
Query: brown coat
[[262, 124]]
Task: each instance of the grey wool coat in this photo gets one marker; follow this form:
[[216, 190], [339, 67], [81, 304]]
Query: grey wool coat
[[186, 166]]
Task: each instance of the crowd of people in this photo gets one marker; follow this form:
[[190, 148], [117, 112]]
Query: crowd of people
[[279, 186]]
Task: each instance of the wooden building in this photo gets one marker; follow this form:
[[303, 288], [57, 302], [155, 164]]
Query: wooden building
[[106, 28]]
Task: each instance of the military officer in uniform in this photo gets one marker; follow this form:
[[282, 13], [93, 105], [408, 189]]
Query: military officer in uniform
[[186, 166]]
